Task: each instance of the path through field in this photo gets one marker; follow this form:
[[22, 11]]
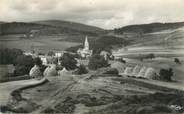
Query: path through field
[[8, 87]]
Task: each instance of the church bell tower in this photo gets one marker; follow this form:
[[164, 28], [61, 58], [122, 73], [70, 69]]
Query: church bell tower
[[86, 44]]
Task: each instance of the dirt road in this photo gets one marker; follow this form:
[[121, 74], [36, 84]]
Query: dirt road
[[8, 87]]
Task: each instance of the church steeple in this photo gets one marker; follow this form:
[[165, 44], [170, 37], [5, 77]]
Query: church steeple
[[85, 52], [86, 44]]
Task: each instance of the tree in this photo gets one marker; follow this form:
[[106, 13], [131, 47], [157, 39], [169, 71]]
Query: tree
[[150, 56], [166, 74], [8, 56], [51, 53], [97, 61], [37, 61], [23, 65], [81, 70], [68, 61], [177, 61]]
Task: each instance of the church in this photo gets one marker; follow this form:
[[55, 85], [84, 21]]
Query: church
[[85, 52]]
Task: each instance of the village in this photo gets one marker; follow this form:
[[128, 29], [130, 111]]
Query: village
[[86, 71], [52, 60]]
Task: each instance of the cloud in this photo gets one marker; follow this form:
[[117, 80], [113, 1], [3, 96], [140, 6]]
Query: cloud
[[103, 13]]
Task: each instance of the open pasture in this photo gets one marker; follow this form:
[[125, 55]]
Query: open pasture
[[40, 44]]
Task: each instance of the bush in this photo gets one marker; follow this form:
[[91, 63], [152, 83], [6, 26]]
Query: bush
[[97, 61], [59, 67], [177, 61], [40, 53], [150, 56], [68, 61], [122, 60], [112, 71], [146, 56], [166, 74], [81, 70]]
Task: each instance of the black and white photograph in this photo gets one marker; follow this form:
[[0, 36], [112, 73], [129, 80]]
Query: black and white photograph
[[92, 56]]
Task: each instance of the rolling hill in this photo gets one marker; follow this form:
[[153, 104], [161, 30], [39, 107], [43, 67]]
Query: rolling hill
[[46, 36], [133, 35], [1, 22], [168, 35], [49, 27], [18, 28], [148, 28], [68, 24]]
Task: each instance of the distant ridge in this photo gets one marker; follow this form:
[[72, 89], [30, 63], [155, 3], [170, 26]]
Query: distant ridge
[[47, 27], [148, 28], [69, 24]]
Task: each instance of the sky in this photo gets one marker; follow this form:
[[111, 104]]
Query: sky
[[107, 14]]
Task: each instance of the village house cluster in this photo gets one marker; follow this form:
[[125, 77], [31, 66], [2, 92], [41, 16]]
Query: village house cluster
[[84, 53]]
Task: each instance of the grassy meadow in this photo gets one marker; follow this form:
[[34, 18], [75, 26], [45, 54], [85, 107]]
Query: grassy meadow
[[40, 44]]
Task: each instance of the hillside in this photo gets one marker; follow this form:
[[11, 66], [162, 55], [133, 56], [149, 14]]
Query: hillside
[[52, 27], [19, 28], [71, 25], [148, 28], [106, 42], [170, 38], [94, 95], [163, 43], [1, 22], [50, 32]]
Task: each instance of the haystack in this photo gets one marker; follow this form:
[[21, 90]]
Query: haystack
[[150, 73], [46, 70], [50, 71], [142, 72], [35, 72], [136, 70], [119, 66], [128, 71], [62, 72]]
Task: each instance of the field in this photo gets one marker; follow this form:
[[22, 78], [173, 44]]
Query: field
[[165, 45], [101, 95], [4, 69], [40, 44]]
